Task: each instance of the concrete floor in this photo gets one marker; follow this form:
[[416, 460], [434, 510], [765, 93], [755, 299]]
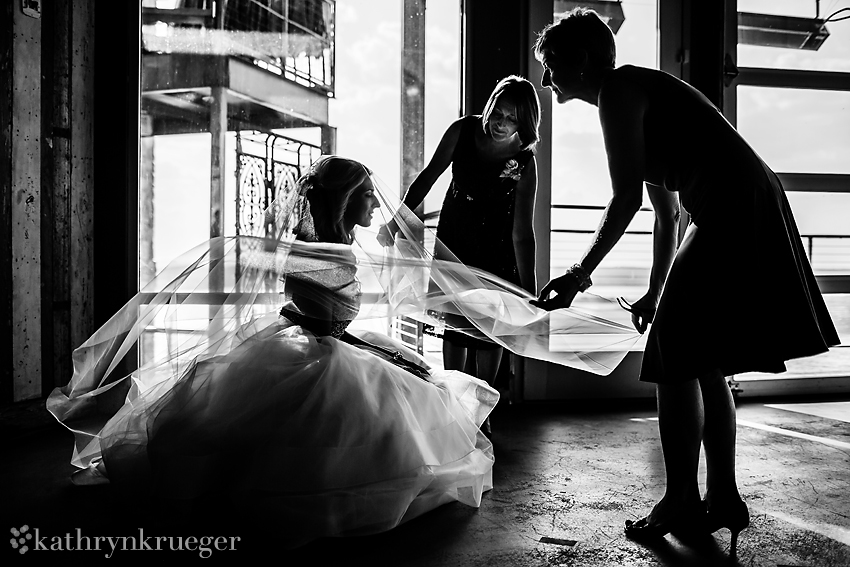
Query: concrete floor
[[571, 472]]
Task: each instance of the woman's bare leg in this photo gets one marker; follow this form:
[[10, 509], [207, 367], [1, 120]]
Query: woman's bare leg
[[454, 357], [719, 436], [488, 364], [680, 424]]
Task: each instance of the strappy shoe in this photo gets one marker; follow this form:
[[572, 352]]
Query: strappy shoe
[[734, 517], [691, 520]]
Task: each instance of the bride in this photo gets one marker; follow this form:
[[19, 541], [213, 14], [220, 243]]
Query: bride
[[284, 412], [257, 384]]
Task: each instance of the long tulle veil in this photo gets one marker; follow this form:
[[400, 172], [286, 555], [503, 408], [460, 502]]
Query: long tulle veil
[[213, 295]]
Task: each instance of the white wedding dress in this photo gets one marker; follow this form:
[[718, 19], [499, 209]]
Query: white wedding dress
[[326, 437], [323, 437], [320, 437]]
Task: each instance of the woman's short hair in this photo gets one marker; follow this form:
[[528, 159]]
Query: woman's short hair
[[523, 95], [329, 185], [581, 28]]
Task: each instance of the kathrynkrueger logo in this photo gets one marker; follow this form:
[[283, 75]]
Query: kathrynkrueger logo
[[25, 539]]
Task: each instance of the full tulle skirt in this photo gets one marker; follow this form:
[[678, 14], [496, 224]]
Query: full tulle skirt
[[321, 437]]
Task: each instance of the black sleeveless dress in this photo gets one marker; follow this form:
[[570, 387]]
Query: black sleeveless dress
[[477, 217], [740, 294]]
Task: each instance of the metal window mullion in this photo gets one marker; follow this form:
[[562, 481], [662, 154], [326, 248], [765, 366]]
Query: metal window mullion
[[815, 182], [793, 79]]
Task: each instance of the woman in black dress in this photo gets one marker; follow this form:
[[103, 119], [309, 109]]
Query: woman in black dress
[[740, 295], [486, 217]]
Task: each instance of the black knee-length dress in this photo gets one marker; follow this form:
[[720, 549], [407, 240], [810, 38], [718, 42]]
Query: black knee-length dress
[[477, 216], [740, 295]]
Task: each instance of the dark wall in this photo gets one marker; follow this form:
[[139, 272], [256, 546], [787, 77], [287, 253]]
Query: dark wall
[[6, 355], [496, 44], [704, 39], [116, 155]]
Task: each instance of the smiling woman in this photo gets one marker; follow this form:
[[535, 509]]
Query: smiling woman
[[361, 205], [663, 133], [486, 217]]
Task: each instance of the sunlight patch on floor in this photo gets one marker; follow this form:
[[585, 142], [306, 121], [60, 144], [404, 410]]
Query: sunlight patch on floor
[[837, 533], [789, 433], [839, 411]]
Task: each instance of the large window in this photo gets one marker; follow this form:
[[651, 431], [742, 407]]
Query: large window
[[581, 186], [793, 106], [240, 97], [354, 110], [366, 111]]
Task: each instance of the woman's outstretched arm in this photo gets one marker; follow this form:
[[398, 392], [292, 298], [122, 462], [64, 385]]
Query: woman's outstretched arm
[[525, 246], [423, 183], [622, 107]]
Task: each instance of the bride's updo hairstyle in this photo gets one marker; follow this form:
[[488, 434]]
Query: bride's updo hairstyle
[[328, 186], [580, 29]]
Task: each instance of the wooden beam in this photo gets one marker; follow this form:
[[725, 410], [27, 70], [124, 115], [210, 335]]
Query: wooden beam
[[218, 134], [218, 142], [56, 184], [82, 145], [412, 93], [147, 265], [26, 208], [6, 295]]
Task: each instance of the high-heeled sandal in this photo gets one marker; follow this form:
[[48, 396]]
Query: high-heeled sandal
[[734, 517], [691, 520]]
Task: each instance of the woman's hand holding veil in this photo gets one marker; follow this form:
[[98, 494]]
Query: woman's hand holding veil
[[565, 287], [642, 310]]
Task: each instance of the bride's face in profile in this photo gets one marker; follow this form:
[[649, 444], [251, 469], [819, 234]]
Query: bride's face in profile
[[362, 204]]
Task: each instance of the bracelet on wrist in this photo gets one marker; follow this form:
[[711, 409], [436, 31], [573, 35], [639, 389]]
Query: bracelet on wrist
[[581, 276]]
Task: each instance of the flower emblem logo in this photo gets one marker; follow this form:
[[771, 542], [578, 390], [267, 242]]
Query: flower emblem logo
[[20, 537], [512, 170]]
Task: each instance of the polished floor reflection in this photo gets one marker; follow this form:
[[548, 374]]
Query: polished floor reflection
[[567, 476]]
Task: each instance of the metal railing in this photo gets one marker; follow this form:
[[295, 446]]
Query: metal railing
[[267, 167], [828, 254]]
